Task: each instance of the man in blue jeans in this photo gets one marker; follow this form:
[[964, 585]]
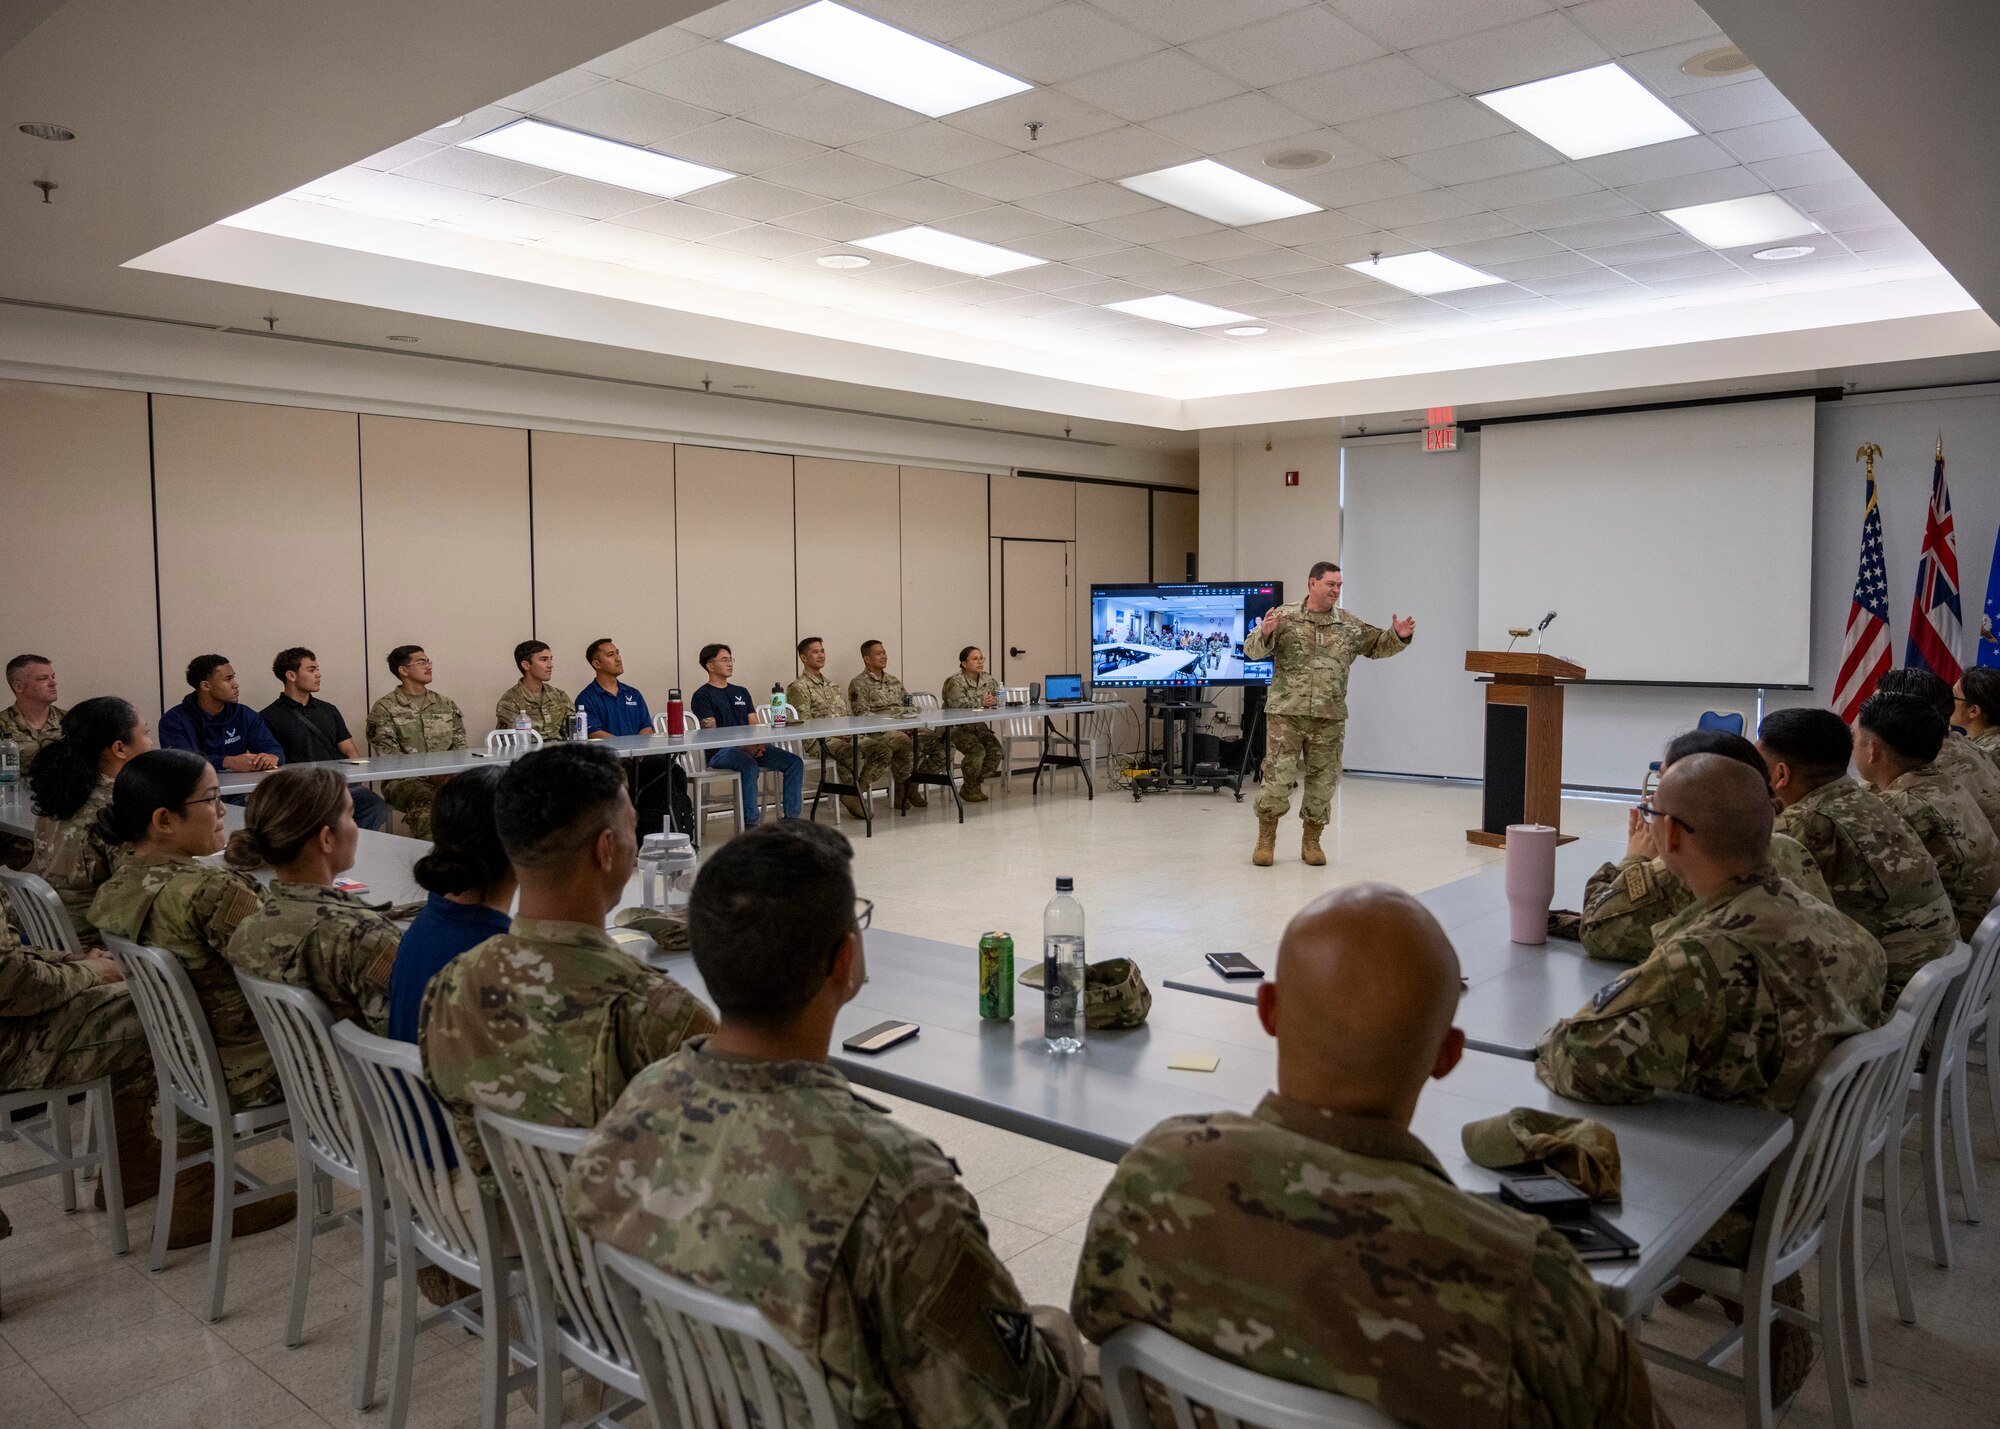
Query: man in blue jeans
[[721, 705]]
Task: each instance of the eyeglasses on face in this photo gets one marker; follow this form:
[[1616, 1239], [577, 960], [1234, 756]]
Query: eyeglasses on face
[[1649, 813]]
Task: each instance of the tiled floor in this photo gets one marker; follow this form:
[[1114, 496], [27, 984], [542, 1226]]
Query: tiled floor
[[89, 1339]]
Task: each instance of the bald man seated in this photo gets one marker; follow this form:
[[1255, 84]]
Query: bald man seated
[[1318, 1241]]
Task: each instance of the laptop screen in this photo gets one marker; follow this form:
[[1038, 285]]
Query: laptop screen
[[1062, 687]]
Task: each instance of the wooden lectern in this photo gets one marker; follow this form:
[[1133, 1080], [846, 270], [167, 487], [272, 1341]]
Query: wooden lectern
[[1524, 741]]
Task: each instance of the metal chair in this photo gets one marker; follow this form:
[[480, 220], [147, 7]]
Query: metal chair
[[513, 741], [1943, 1089], [64, 1159], [1923, 997], [701, 779], [39, 914], [705, 1359], [1803, 1210], [332, 1143], [1191, 1380], [925, 700], [572, 1309], [190, 1077], [410, 1133], [1021, 729]]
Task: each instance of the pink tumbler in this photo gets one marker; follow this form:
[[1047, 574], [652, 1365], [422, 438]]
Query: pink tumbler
[[1531, 881]]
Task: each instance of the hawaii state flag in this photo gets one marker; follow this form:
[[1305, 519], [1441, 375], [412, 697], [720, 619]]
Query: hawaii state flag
[[1936, 624]]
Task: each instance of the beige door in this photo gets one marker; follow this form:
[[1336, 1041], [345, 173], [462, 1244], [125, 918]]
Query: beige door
[[1035, 611]]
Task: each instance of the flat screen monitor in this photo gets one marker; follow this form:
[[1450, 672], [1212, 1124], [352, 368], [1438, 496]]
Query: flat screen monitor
[[1166, 635]]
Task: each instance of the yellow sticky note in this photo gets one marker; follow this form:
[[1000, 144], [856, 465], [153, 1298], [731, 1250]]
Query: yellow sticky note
[[1191, 1062]]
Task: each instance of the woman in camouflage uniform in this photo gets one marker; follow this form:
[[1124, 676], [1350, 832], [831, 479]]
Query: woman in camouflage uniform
[[68, 786]]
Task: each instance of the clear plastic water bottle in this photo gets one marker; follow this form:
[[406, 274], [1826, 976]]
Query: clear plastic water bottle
[[1063, 970], [10, 760], [522, 724]]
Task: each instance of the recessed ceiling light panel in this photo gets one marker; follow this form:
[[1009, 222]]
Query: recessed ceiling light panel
[[1740, 222], [948, 250], [1182, 312], [570, 151], [1784, 253], [1216, 191], [1589, 112], [1425, 273], [861, 53]]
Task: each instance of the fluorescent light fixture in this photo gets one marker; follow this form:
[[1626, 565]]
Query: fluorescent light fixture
[[1740, 222], [1216, 191], [851, 49], [1182, 312], [1425, 273], [570, 151], [948, 250], [1589, 112]]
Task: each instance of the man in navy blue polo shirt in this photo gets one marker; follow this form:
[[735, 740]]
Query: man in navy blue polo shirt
[[210, 722], [614, 707], [721, 705]]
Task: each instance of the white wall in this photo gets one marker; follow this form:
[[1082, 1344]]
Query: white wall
[[1253, 525]]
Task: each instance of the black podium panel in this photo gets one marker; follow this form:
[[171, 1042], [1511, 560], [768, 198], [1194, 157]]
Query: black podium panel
[[1506, 791]]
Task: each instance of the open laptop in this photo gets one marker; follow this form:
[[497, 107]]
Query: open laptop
[[1062, 689]]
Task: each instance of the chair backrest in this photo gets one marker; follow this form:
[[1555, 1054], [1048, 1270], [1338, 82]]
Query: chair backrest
[[1191, 1379], [924, 699], [39, 914], [1830, 1126], [707, 1361], [1022, 727], [298, 1028], [660, 722], [177, 1031], [407, 1126], [1728, 721], [532, 1163], [1922, 998], [1968, 1003], [518, 740], [1093, 725], [760, 714]]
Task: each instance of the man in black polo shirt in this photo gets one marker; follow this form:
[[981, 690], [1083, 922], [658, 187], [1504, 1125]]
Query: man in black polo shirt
[[309, 729]]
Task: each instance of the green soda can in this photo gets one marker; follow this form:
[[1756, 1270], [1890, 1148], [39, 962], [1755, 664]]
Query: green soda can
[[996, 977]]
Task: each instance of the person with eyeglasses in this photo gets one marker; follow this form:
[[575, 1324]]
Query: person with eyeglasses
[[167, 807], [549, 1020], [414, 719], [1742, 997], [747, 1164], [1623, 901]]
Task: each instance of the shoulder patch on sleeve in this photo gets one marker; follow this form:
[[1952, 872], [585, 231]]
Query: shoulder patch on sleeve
[[1638, 886], [1015, 1330], [1608, 994]]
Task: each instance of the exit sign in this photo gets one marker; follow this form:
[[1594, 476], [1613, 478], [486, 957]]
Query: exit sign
[[1441, 439], [1440, 417]]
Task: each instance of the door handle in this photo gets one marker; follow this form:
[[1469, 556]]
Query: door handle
[[1016, 651]]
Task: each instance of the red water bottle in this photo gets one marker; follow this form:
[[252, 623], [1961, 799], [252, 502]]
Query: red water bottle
[[676, 714]]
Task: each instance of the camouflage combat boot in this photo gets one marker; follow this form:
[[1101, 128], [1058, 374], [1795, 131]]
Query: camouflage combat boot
[[1267, 840], [1309, 849], [973, 792]]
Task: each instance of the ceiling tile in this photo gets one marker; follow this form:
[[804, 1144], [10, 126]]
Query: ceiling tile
[[569, 194], [1088, 203], [742, 147], [555, 87], [628, 113], [999, 223], [1191, 278], [841, 222], [1482, 159], [1208, 247], [1778, 139], [752, 198], [614, 243], [1425, 126], [1531, 186], [1014, 177], [1514, 54], [1132, 262], [1120, 153], [1403, 25], [1360, 91], [1322, 281], [928, 150], [1889, 235], [1493, 295], [1691, 155], [977, 291], [1706, 282], [1559, 264], [1591, 280], [1624, 294], [1362, 184], [948, 19], [1061, 117], [1688, 265], [1240, 291], [1755, 101], [474, 172], [649, 50], [1444, 232], [1606, 232], [923, 200], [734, 16], [680, 220], [1818, 167], [1860, 215], [1349, 250], [505, 218], [1157, 84], [1392, 304], [834, 116], [1108, 290], [1660, 69], [1332, 321], [1624, 256], [1289, 46], [835, 175], [1288, 306], [1405, 209], [471, 126], [1033, 305], [1628, 27], [1065, 244], [1898, 255], [1156, 225], [1711, 187], [396, 155], [1267, 263], [1179, 21], [1818, 198], [1061, 43], [1577, 208], [1307, 228], [1231, 123], [1048, 277], [1089, 317], [722, 78]]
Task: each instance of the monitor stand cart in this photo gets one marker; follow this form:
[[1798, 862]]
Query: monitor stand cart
[[1173, 759]]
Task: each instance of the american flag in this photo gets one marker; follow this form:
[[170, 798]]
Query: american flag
[[1936, 625], [1864, 654]]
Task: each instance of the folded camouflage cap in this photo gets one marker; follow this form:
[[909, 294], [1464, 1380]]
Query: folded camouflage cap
[[1115, 995], [1566, 923], [1582, 1150], [668, 929]]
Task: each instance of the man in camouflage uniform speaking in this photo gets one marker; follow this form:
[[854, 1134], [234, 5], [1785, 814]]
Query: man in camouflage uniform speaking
[[745, 1164], [1316, 1240], [414, 719], [1311, 646]]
